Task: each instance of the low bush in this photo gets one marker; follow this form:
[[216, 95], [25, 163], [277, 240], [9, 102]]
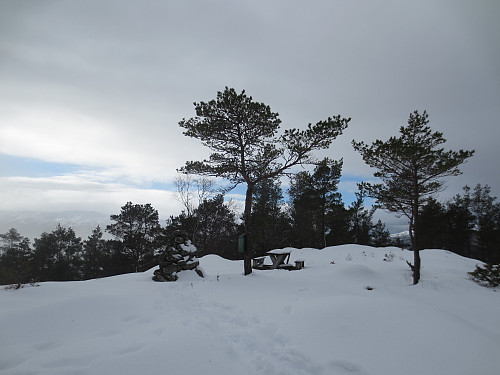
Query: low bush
[[489, 275]]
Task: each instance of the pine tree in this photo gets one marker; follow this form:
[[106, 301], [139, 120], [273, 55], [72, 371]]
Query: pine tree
[[460, 224], [243, 136], [58, 255], [269, 221], [217, 229], [138, 227], [487, 219], [15, 258], [379, 235], [314, 199], [412, 168], [432, 224], [360, 218], [94, 253]]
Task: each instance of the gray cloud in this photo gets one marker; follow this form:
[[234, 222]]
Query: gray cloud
[[103, 84]]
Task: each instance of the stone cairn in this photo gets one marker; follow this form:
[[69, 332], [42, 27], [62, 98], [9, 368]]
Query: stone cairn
[[179, 256]]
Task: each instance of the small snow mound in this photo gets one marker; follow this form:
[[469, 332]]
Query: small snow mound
[[188, 276], [215, 265], [357, 272]]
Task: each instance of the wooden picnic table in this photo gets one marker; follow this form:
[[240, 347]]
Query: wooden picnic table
[[279, 257]]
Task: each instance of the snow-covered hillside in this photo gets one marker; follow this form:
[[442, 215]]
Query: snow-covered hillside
[[352, 310]]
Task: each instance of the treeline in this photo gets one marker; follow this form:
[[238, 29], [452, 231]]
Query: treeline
[[468, 224], [314, 215], [62, 256]]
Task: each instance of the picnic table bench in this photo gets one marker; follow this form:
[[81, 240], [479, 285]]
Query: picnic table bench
[[279, 259]]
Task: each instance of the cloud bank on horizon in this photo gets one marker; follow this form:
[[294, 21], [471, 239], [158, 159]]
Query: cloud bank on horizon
[[92, 92]]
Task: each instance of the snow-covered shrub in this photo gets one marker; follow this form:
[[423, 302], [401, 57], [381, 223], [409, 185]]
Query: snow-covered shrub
[[487, 276]]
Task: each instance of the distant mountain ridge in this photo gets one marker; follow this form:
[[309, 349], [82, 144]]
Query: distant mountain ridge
[[32, 224]]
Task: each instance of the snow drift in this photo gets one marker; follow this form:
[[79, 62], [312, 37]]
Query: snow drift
[[352, 310]]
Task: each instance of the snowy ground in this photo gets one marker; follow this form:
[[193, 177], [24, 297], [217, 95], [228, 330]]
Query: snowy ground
[[323, 319]]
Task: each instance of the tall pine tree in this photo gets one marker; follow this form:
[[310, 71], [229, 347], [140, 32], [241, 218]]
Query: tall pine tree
[[314, 199], [243, 135], [411, 168], [138, 227]]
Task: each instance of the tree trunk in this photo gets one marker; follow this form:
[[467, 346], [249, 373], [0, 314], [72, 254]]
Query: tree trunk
[[323, 220], [415, 238], [248, 255], [416, 266]]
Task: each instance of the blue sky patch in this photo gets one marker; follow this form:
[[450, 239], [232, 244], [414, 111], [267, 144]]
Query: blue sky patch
[[14, 166]]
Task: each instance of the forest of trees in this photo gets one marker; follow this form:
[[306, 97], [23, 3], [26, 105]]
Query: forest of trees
[[247, 149], [313, 215]]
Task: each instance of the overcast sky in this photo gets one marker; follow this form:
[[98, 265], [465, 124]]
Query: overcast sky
[[91, 92]]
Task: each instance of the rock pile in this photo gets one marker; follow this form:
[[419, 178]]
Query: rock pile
[[179, 256]]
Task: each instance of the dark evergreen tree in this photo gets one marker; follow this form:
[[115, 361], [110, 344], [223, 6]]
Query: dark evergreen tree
[[243, 135], [412, 168], [58, 255], [212, 226], [270, 224], [379, 235], [360, 218], [432, 225], [325, 178], [44, 257], [338, 219], [217, 229], [459, 224], [15, 258], [188, 223], [302, 210], [314, 201], [117, 261], [95, 256], [138, 228], [176, 223], [486, 212], [487, 275]]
